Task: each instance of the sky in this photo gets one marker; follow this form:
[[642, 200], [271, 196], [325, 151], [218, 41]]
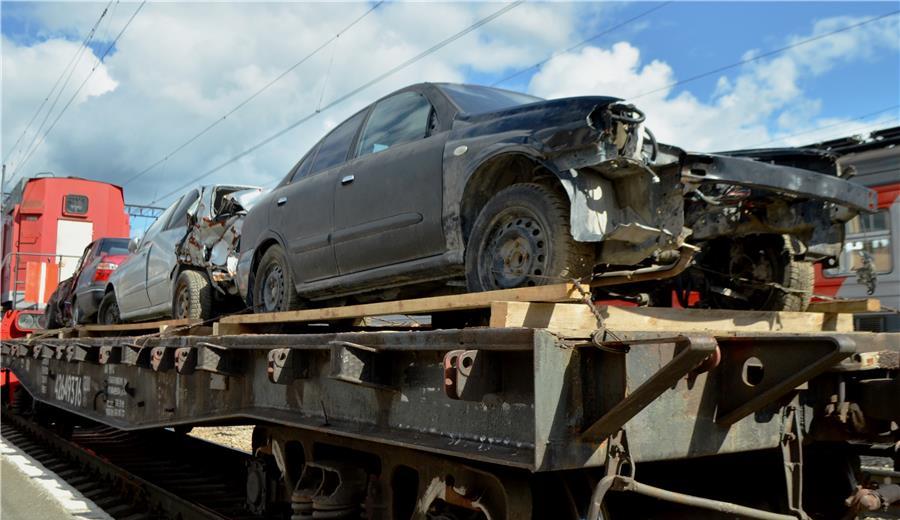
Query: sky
[[180, 67]]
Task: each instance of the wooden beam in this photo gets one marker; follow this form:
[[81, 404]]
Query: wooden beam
[[577, 320], [543, 293], [147, 326], [846, 306]]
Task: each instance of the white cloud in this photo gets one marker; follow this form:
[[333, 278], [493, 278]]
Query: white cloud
[[41, 64], [181, 65], [742, 109]]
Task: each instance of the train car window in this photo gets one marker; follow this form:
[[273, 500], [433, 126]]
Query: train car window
[[866, 235], [75, 205]]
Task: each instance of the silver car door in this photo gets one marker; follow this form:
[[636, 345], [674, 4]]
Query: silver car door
[[162, 260], [130, 279]]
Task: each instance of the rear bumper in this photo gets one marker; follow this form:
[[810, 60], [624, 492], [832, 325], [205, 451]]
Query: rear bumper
[[88, 301]]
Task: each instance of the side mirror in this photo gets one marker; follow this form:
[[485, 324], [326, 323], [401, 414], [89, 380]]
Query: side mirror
[[133, 245]]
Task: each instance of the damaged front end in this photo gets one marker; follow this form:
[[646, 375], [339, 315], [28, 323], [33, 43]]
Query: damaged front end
[[214, 232], [618, 197], [759, 219]]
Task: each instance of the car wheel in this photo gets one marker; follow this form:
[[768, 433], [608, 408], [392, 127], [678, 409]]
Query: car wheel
[[273, 285], [522, 238], [193, 299], [108, 313], [757, 272]]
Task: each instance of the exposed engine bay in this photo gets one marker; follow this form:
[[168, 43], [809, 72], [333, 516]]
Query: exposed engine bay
[[759, 219]]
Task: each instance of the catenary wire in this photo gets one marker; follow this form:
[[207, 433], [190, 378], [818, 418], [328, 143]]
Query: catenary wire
[[71, 64], [765, 54], [825, 127], [581, 43], [436, 47], [253, 96], [83, 83]]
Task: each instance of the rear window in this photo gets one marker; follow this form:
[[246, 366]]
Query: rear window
[[114, 247], [473, 99]]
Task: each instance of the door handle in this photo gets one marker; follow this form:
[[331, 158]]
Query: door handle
[[347, 179], [281, 201]]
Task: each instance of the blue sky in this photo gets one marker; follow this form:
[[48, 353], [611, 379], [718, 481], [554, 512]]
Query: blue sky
[[181, 66]]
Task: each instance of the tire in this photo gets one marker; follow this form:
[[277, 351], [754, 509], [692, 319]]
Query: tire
[[108, 312], [273, 284], [522, 238], [777, 280], [193, 298]]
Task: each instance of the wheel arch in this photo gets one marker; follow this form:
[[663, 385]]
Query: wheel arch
[[264, 245], [496, 172]]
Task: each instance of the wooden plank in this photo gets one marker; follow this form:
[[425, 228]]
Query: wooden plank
[[846, 306], [146, 327], [543, 293], [576, 320]]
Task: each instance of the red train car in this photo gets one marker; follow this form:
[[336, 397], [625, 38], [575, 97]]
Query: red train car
[[47, 222], [876, 159]]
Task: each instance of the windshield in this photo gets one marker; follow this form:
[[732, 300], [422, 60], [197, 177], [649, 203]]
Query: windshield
[[474, 99]]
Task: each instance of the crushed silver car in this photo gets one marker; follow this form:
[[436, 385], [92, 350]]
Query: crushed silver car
[[185, 264]]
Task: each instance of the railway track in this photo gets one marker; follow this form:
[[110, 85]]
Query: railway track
[[145, 475]]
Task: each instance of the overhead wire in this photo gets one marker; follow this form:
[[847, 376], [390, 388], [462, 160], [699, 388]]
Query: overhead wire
[[253, 96], [767, 54], [431, 50], [581, 43], [73, 62], [826, 127], [81, 86]]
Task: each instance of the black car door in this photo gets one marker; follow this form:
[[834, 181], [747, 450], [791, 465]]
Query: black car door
[[388, 198], [302, 210]]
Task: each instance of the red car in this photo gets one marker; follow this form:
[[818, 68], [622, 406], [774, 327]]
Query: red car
[[76, 299]]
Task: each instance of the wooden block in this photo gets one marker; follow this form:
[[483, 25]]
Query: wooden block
[[229, 329], [576, 320], [846, 306], [482, 300]]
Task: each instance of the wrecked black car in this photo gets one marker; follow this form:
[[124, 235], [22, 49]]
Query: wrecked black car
[[443, 187]]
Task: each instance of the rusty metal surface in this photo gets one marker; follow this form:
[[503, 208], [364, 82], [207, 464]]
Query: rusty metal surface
[[389, 388]]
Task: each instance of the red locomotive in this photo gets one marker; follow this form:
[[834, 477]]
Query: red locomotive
[[47, 222]]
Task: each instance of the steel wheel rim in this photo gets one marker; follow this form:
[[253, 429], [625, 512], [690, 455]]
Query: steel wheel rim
[[182, 303], [111, 316], [273, 288], [515, 252]]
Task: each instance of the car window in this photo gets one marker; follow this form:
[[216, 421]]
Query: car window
[[304, 166], [115, 246], [179, 216], [396, 120], [334, 148], [160, 222]]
